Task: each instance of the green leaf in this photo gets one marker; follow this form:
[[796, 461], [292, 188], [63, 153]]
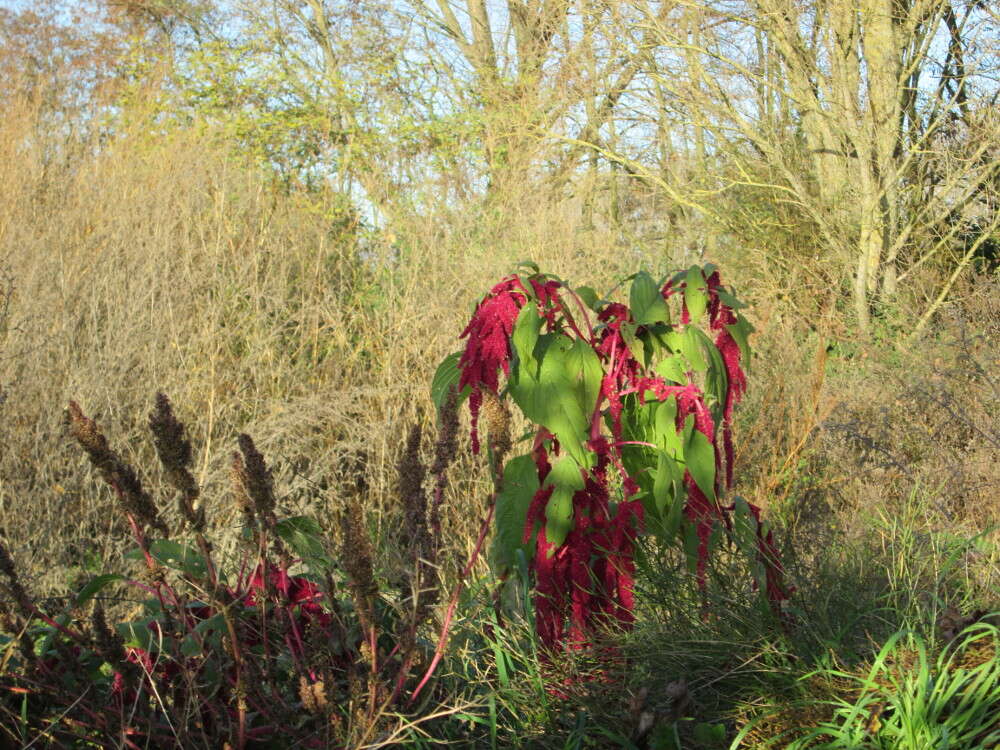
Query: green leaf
[[665, 433], [637, 429], [627, 330], [695, 298], [740, 331], [677, 278], [174, 555], [209, 629], [528, 265], [729, 300], [585, 373], [665, 737], [446, 377], [675, 511], [96, 585], [520, 482], [656, 343], [646, 302], [137, 634], [674, 341], [524, 337], [566, 478], [668, 497], [212, 629], [716, 377], [700, 457], [589, 297], [687, 429], [303, 535], [672, 369], [691, 347], [190, 646], [43, 644], [663, 481], [712, 735], [564, 395]]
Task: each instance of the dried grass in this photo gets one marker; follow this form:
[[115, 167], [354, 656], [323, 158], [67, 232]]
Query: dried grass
[[157, 260]]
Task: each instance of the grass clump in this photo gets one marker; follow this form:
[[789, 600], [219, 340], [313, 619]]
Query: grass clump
[[905, 700]]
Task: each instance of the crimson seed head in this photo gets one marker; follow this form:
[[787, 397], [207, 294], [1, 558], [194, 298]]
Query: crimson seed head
[[487, 350]]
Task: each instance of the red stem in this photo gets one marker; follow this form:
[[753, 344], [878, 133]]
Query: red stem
[[453, 604], [36, 612]]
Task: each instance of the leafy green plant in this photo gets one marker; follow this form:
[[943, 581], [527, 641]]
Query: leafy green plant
[[632, 408], [909, 701]]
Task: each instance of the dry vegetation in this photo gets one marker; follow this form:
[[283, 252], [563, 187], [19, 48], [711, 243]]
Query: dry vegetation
[[140, 253], [165, 263]]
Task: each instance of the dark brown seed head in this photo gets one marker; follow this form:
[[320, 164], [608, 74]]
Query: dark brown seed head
[[238, 481], [172, 447], [116, 472], [109, 644], [412, 498], [174, 451], [259, 482], [356, 555], [446, 446], [13, 584]]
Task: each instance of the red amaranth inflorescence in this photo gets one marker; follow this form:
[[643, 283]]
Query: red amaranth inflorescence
[[487, 350], [604, 455]]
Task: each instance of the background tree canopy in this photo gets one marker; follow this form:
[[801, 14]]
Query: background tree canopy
[[854, 143]]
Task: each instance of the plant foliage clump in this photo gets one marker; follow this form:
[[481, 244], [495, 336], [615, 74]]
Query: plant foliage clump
[[288, 647], [633, 409]]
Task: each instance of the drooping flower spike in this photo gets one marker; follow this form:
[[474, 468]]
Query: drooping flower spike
[[634, 434]]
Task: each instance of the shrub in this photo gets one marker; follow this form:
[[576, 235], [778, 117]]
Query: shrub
[[632, 422]]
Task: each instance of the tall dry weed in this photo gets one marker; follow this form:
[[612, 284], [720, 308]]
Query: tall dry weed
[[156, 258]]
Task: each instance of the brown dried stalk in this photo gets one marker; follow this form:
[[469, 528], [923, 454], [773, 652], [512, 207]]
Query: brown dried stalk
[[445, 450], [116, 472], [174, 451], [258, 481]]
